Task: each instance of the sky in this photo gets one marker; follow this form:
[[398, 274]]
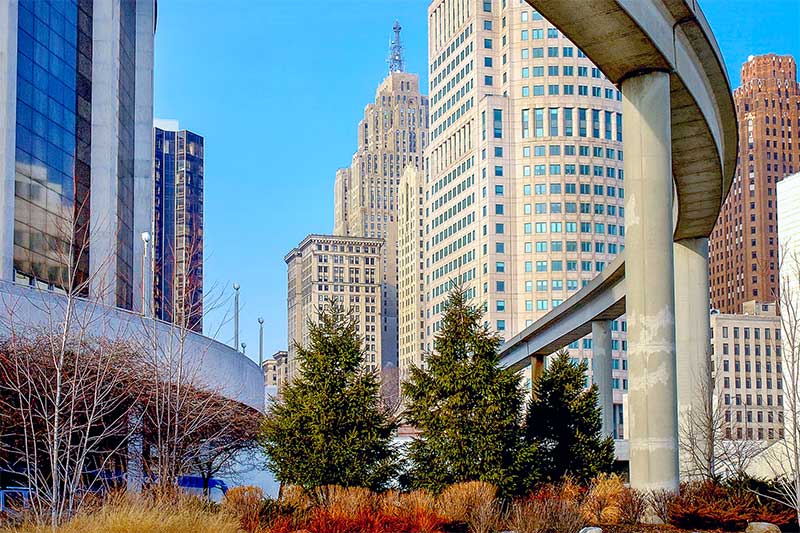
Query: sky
[[277, 88]]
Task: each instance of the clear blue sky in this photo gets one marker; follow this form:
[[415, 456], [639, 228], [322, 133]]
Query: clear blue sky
[[277, 88]]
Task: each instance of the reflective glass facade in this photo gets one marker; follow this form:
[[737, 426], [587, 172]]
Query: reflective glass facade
[[178, 227], [125, 154], [53, 140]]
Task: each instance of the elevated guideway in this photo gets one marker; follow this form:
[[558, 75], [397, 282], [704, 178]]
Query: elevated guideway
[[680, 141]]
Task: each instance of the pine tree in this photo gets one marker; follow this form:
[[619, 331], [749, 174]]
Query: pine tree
[[332, 427], [467, 408], [564, 423]]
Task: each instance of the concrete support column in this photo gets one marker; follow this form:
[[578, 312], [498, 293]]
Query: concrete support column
[[537, 369], [649, 278], [601, 372], [693, 343]]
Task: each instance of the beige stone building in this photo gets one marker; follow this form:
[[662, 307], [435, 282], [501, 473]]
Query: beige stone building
[[523, 191], [281, 370], [391, 136], [325, 268], [746, 355], [411, 286]]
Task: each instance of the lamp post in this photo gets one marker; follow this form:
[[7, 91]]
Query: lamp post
[[244, 348], [260, 342], [145, 274], [236, 287]]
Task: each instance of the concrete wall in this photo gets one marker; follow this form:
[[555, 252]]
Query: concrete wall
[[215, 365]]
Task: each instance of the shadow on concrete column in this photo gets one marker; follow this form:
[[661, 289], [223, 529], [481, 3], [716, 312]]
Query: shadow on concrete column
[[649, 275], [601, 372], [693, 343]]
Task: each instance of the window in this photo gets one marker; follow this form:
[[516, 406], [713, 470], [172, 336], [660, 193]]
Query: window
[[526, 117], [498, 123], [487, 6], [487, 61], [487, 43]]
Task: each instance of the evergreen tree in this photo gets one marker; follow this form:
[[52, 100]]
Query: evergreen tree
[[331, 427], [565, 425], [467, 408]]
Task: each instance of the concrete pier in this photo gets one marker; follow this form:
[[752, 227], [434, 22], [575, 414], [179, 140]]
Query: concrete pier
[[693, 337], [650, 299], [601, 372]]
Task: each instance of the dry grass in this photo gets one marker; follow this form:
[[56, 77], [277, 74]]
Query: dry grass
[[131, 514], [244, 504], [602, 503], [473, 503], [346, 501]]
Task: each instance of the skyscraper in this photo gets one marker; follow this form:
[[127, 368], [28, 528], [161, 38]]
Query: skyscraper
[[391, 136], [76, 108], [523, 191], [743, 249], [331, 268], [178, 157]]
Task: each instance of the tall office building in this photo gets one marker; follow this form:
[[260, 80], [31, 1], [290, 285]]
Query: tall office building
[[410, 282], [743, 249], [178, 157], [325, 268], [391, 136], [76, 113], [523, 191], [746, 350]]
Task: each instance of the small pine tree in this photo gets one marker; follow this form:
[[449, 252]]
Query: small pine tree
[[331, 427], [467, 408], [565, 425]]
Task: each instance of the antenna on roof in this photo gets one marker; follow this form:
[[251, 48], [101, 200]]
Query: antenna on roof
[[395, 60]]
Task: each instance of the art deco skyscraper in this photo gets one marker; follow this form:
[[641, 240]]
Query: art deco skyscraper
[[178, 175], [743, 249], [523, 191], [391, 137], [76, 115]]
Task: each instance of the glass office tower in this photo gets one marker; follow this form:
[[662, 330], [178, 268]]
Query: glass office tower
[[178, 227], [75, 91]]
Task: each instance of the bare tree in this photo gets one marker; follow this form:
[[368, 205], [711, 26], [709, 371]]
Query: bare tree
[[64, 385], [708, 449], [783, 457], [188, 427]]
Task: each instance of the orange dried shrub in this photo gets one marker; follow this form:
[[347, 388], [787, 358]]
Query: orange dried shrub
[[602, 502], [245, 504]]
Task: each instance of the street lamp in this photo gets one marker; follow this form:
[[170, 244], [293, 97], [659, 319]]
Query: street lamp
[[244, 348], [145, 273], [260, 342], [236, 287]]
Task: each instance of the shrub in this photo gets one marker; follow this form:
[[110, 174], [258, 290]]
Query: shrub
[[709, 504], [660, 501], [632, 506], [244, 503], [601, 505], [297, 498], [463, 502], [345, 501], [551, 509]]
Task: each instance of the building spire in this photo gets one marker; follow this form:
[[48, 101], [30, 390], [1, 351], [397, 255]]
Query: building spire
[[395, 60]]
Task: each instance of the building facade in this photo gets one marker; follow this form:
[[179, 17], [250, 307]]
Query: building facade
[[523, 191], [746, 352], [76, 111], [327, 268], [391, 137], [411, 265], [743, 249], [789, 239], [178, 157]]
